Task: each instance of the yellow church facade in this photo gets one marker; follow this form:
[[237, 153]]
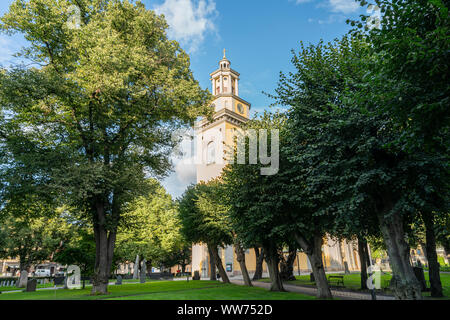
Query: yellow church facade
[[214, 138]]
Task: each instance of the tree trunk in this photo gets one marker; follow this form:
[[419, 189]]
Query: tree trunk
[[287, 266], [433, 264], [104, 242], [272, 259], [212, 264], [366, 251], [404, 282], [259, 264], [148, 266], [240, 257], [362, 247], [24, 265], [313, 250], [219, 265]]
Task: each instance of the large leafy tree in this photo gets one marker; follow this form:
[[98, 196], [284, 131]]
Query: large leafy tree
[[409, 81], [258, 203], [352, 171], [411, 72], [106, 95], [204, 219]]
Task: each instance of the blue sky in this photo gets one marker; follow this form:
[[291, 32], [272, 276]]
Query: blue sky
[[257, 34]]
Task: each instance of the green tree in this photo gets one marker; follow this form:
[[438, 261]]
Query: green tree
[[411, 70], [352, 171], [106, 95], [78, 250], [258, 203], [409, 78], [204, 219], [150, 228], [33, 238]]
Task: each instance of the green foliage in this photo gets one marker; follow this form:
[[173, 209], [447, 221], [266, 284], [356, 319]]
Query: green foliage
[[258, 204], [107, 96], [32, 238], [410, 73], [150, 228], [103, 98], [78, 250], [204, 217], [341, 144], [324, 136]]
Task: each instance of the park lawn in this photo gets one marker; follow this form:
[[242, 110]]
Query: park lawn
[[122, 290], [47, 285], [353, 282], [51, 285], [222, 292], [168, 290]]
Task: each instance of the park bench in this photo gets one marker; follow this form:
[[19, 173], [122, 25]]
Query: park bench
[[336, 279]]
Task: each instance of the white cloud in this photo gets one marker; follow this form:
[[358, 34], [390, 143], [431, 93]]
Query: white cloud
[[189, 20], [332, 19], [341, 6], [186, 170], [6, 52], [344, 6]]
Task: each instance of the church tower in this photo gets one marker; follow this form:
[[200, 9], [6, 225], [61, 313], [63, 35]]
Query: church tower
[[230, 112], [214, 139]]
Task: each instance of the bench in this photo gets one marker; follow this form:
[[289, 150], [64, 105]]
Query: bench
[[336, 279]]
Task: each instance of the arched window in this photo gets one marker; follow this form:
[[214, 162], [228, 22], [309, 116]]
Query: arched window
[[211, 153]]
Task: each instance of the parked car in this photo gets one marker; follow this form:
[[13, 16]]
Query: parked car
[[42, 273]]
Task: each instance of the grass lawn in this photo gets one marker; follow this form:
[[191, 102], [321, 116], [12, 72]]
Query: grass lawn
[[47, 285], [167, 290], [353, 282]]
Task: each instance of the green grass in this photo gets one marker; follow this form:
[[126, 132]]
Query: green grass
[[167, 290], [12, 288], [353, 282], [221, 292]]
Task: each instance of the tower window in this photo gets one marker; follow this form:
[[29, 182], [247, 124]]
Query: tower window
[[211, 153]]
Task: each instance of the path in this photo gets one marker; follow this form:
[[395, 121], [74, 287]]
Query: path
[[346, 295]]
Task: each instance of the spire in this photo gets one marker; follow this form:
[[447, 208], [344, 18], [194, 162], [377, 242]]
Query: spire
[[224, 63]]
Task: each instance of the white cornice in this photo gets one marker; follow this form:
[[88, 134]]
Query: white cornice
[[225, 71], [235, 97], [219, 117]]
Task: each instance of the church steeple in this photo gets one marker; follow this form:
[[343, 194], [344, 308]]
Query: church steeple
[[225, 80], [225, 88], [224, 63]]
